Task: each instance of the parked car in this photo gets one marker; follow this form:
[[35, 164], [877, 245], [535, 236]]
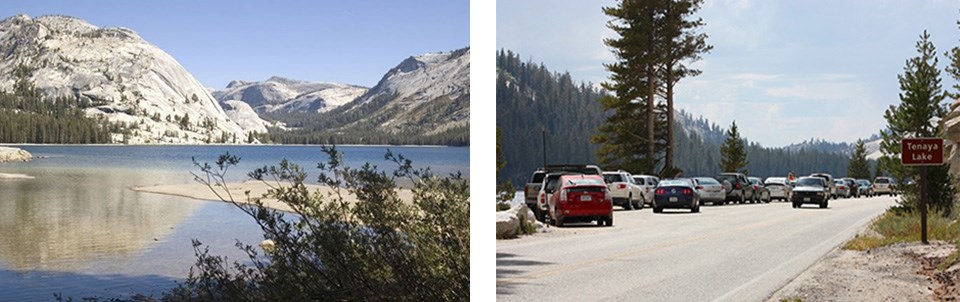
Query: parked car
[[853, 185], [711, 190], [626, 193], [679, 193], [828, 179], [547, 188], [532, 190], [883, 185], [760, 192], [841, 188], [737, 190], [647, 184], [866, 188], [811, 190], [581, 198], [779, 188]]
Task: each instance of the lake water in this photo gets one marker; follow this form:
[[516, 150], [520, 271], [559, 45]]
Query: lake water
[[78, 229]]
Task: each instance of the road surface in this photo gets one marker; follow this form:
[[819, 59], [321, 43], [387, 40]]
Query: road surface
[[724, 253]]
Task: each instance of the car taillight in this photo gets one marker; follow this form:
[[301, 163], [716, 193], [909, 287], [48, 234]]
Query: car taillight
[[661, 191], [738, 186], [563, 195], [687, 192], [543, 198], [699, 187], [622, 186], [607, 197]]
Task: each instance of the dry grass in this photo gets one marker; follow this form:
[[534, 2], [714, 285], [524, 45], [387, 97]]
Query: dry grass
[[895, 227]]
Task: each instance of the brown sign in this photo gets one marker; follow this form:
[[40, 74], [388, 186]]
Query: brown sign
[[924, 151]]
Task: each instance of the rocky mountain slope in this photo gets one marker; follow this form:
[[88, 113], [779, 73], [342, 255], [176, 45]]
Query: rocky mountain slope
[[283, 95], [125, 79], [427, 94]]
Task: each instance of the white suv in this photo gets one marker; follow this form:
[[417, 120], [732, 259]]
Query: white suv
[[883, 185], [648, 185], [625, 191]]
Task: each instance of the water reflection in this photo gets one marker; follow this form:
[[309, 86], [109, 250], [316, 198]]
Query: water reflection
[[67, 219]]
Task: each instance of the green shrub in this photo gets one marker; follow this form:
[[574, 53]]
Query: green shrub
[[379, 248]]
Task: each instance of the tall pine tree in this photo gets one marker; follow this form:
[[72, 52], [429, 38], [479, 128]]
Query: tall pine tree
[[859, 168], [733, 152], [921, 95]]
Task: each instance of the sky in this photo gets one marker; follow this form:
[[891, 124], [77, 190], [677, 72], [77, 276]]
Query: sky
[[351, 42], [785, 71]]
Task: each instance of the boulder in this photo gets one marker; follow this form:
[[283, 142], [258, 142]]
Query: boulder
[[9, 154], [508, 222], [951, 145]]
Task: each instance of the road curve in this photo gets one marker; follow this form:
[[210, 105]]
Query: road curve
[[724, 253]]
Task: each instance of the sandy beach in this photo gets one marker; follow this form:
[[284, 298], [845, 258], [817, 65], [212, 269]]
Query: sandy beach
[[237, 191]]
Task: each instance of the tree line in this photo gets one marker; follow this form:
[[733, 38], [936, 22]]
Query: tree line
[[534, 103]]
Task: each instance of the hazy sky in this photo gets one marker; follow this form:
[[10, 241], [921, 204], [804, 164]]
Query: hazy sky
[[786, 71], [353, 42]]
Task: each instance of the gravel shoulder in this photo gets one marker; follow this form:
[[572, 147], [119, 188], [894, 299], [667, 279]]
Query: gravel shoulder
[[900, 272]]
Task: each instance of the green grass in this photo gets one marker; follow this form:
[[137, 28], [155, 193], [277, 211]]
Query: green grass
[[900, 227]]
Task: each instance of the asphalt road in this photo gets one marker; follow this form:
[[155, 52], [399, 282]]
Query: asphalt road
[[723, 253]]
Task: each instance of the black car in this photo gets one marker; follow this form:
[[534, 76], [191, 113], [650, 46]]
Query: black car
[[811, 190]]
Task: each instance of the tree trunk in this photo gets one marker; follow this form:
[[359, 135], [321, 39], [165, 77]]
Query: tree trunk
[[670, 140], [651, 94]]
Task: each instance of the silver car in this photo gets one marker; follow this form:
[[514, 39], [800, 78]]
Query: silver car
[[710, 190], [779, 188]]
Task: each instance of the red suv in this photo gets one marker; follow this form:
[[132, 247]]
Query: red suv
[[581, 198]]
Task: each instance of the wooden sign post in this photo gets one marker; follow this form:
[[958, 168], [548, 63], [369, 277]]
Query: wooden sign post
[[922, 152]]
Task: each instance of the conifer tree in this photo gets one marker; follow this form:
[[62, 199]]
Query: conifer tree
[[733, 153], [920, 102], [859, 168]]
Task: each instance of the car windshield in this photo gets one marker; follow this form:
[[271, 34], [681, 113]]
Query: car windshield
[[583, 182], [882, 181], [611, 178], [810, 181], [863, 182], [674, 182], [838, 181]]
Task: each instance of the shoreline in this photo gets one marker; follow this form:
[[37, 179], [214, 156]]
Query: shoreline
[[201, 192]]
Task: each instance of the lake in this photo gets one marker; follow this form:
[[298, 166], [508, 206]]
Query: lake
[[78, 229]]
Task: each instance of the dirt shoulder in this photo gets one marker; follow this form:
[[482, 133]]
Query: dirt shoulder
[[900, 272]]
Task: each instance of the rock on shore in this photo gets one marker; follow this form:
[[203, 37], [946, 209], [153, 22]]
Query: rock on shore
[[10, 154]]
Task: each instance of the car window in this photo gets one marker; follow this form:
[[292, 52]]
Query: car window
[[538, 177], [882, 181], [810, 181], [551, 184], [707, 180], [584, 181], [612, 178], [674, 182]]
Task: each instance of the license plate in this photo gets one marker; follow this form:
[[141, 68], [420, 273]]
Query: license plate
[[673, 199], [805, 199], [586, 198]]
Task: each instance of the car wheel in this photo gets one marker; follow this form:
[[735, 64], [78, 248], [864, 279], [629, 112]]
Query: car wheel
[[559, 221], [823, 204], [639, 204], [696, 208], [629, 205], [657, 209], [601, 221], [610, 221], [538, 213]]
